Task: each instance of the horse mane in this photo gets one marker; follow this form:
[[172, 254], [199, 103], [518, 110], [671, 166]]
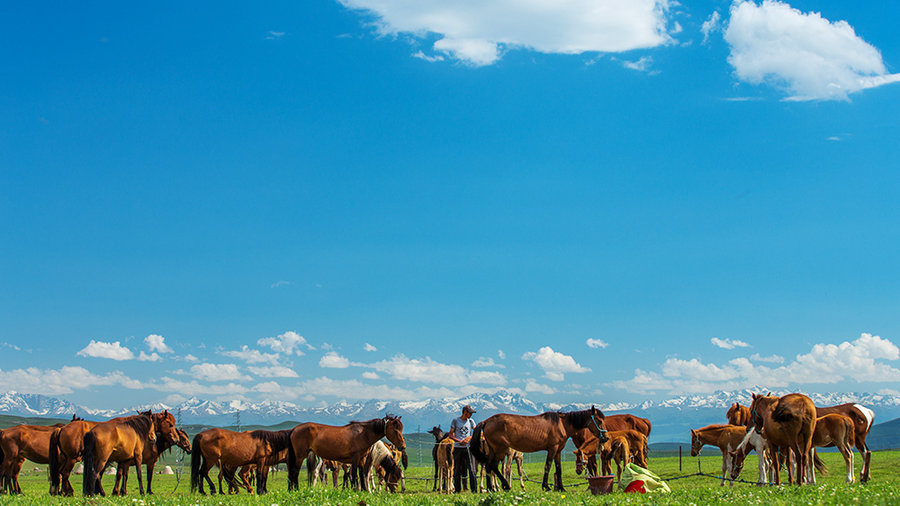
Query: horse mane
[[579, 419], [279, 439], [378, 424], [140, 423]]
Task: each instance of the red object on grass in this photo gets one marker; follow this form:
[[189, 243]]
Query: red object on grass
[[636, 486]]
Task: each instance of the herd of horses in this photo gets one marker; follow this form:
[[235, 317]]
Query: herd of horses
[[786, 431], [780, 429]]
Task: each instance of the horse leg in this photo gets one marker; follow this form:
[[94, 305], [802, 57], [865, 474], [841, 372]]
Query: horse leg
[[726, 458], [866, 455], [521, 474], [205, 471], [150, 467], [119, 480], [847, 452], [557, 460], [547, 462], [137, 464]]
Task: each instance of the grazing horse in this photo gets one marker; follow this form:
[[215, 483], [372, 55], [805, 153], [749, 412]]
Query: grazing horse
[[786, 422], [347, 443], [22, 442], [230, 450], [548, 431], [123, 441], [726, 437], [862, 418], [150, 458], [379, 460], [612, 423], [586, 451], [322, 467], [752, 441], [517, 457], [738, 415]]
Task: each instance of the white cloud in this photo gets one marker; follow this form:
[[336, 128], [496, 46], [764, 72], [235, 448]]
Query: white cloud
[[501, 355], [64, 380], [596, 343], [486, 362], [428, 371], [554, 364], [712, 24], [333, 360], [252, 356], [276, 371], [774, 359], [157, 343], [857, 361], [217, 372], [112, 351], [728, 344], [289, 342], [533, 386], [805, 54], [190, 358], [476, 31], [369, 347], [370, 375], [153, 357], [272, 35], [422, 56], [279, 284], [641, 65]]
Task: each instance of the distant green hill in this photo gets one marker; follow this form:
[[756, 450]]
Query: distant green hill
[[7, 421], [885, 436]]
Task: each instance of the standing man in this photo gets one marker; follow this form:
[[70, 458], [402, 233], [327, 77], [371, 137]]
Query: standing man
[[463, 462]]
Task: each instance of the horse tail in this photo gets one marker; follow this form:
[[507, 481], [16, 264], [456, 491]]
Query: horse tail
[[820, 464], [782, 414], [90, 476], [293, 469], [311, 465], [54, 462], [196, 461], [475, 445]]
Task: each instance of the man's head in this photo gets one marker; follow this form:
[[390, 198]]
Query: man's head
[[467, 412]]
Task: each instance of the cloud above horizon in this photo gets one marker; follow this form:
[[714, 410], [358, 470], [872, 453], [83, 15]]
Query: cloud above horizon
[[477, 32], [112, 351], [804, 54], [858, 361], [554, 364]]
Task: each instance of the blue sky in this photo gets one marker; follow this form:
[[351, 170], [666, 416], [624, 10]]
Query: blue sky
[[314, 201]]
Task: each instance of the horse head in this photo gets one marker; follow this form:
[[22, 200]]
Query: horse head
[[580, 460], [393, 431], [183, 441], [737, 463], [165, 425], [696, 444], [437, 433], [596, 425]]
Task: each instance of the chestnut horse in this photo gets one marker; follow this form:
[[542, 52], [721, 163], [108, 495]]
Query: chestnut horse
[[738, 415], [726, 437], [123, 441], [612, 423], [833, 430], [67, 443], [230, 450], [22, 442], [548, 431], [786, 422], [862, 418], [348, 443], [636, 444], [150, 458]]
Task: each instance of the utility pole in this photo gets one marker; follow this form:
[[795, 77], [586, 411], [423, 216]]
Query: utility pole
[[237, 421]]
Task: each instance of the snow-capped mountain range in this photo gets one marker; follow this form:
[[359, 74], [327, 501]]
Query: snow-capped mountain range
[[671, 418]]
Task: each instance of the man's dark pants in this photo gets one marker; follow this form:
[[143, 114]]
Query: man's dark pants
[[463, 464]]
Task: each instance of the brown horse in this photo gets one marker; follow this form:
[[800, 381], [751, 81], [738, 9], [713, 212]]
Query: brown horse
[[67, 444], [123, 441], [246, 475], [786, 422], [548, 431], [19, 443], [150, 458], [348, 443], [230, 450], [833, 430], [586, 451], [611, 423], [738, 415], [726, 437], [862, 418]]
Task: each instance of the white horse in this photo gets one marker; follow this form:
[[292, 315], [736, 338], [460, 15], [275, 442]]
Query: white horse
[[752, 441], [379, 458]]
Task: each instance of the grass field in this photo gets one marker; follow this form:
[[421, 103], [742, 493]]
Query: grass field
[[694, 490]]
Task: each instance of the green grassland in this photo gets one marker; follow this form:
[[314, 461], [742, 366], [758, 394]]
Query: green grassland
[[831, 489]]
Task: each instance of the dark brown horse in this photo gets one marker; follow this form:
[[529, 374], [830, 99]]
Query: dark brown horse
[[786, 422], [582, 438], [124, 441], [230, 450], [862, 418], [348, 443], [738, 415], [150, 458], [19, 443], [67, 444], [548, 431], [439, 435]]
